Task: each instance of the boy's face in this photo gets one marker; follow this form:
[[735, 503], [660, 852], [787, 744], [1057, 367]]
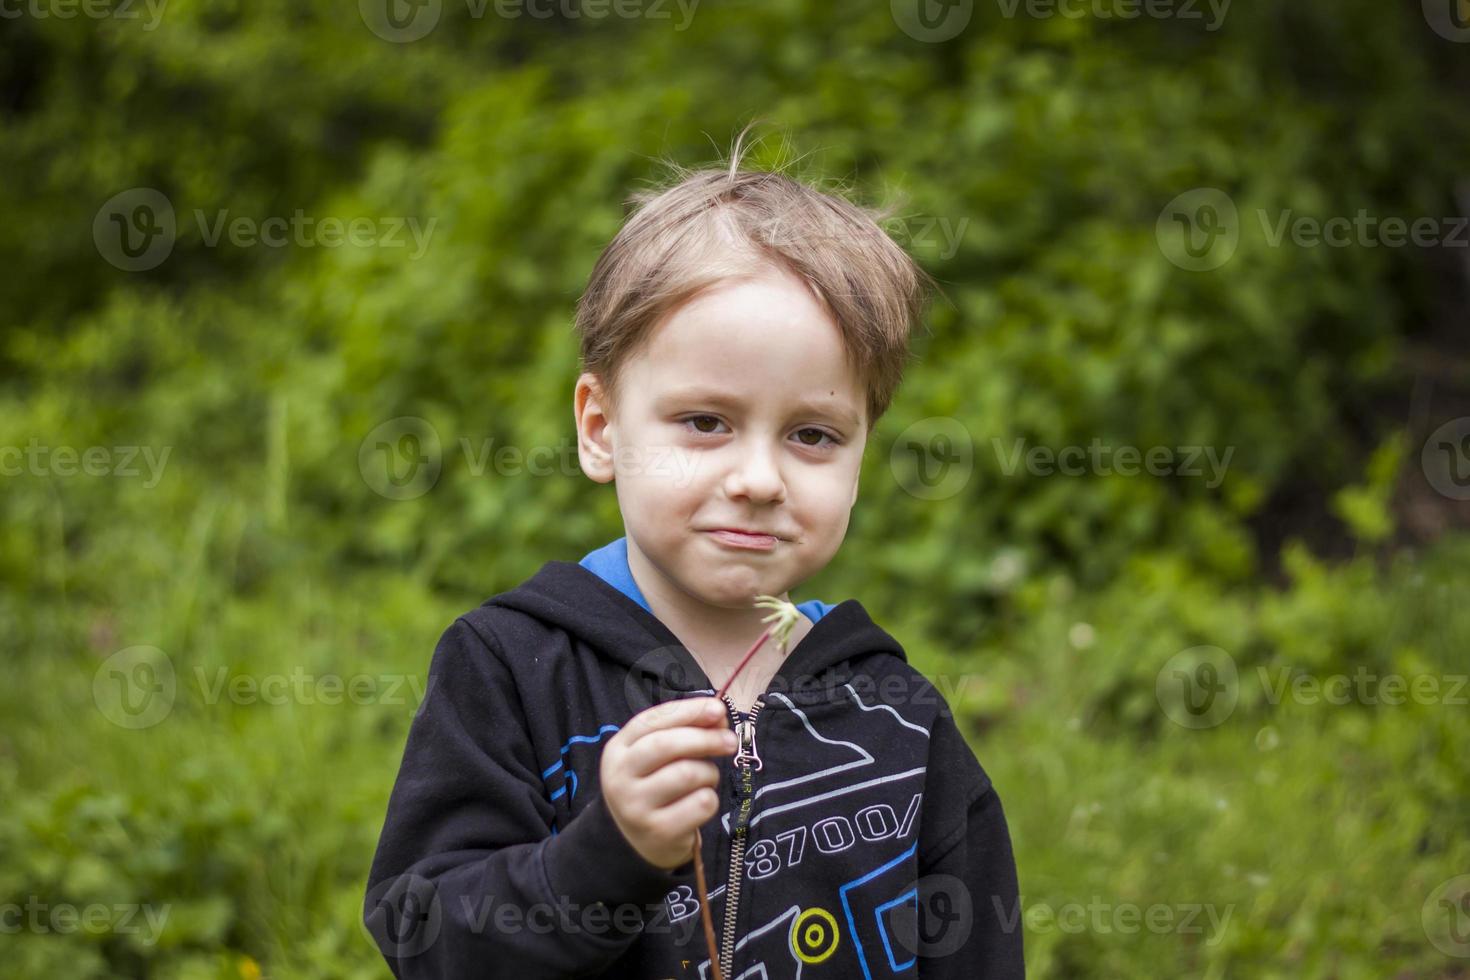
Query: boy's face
[[739, 412]]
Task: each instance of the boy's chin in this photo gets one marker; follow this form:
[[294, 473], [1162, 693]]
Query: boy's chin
[[735, 591]]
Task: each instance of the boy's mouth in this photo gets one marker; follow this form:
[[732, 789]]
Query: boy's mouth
[[748, 540]]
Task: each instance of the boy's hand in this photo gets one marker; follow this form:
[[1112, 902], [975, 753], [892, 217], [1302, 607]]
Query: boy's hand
[[657, 781]]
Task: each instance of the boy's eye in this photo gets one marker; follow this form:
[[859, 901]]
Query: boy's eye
[[820, 435], [696, 419]]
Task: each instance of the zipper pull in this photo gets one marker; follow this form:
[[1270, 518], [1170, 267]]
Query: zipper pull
[[745, 731]]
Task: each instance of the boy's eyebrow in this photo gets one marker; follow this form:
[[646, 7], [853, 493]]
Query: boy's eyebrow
[[730, 400]]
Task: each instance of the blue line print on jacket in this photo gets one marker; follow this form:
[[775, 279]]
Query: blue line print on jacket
[[882, 930], [887, 946], [570, 776]]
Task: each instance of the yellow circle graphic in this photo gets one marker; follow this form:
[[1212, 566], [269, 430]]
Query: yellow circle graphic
[[814, 935]]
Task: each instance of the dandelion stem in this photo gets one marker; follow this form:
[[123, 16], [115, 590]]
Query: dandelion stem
[[782, 619]]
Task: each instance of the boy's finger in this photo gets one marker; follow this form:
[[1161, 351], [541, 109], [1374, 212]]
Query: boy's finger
[[690, 811], [679, 778], [657, 749], [682, 711]]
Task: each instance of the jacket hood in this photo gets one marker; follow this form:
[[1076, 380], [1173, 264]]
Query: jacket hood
[[573, 598]]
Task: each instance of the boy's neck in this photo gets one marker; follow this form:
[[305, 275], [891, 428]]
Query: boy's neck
[[715, 636]]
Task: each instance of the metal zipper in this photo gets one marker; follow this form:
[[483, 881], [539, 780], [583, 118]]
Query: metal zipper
[[746, 761]]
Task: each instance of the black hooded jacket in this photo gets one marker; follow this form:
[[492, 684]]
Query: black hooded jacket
[[873, 843]]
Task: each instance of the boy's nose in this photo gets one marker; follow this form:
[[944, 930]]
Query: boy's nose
[[757, 476]]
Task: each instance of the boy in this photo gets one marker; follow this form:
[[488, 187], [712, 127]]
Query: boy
[[740, 336]]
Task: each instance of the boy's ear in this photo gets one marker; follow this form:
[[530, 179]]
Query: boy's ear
[[594, 444]]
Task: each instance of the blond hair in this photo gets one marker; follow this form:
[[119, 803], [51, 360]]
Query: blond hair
[[712, 225]]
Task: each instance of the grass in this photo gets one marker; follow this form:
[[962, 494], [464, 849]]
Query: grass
[[1293, 840]]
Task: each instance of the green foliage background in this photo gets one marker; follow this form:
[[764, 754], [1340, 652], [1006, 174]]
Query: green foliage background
[[1053, 143]]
